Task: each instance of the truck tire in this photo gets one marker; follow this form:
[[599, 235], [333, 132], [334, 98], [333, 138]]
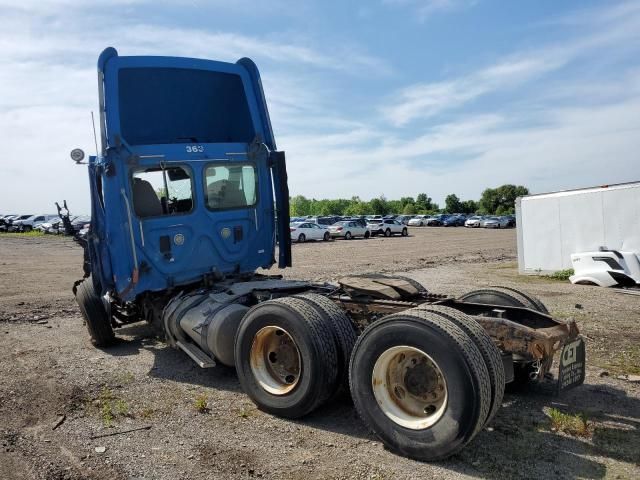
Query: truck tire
[[286, 357], [489, 350], [509, 297], [419, 382], [537, 303], [343, 331], [94, 313]]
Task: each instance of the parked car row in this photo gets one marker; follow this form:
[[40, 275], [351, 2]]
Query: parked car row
[[23, 223], [440, 220], [314, 228], [45, 223], [488, 221]]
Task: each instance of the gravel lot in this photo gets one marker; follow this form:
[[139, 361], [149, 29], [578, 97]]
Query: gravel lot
[[50, 375]]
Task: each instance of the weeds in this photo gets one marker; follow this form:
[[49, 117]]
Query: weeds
[[111, 407], [32, 233], [201, 403], [576, 425], [107, 415], [147, 413], [125, 377], [244, 412], [562, 275]]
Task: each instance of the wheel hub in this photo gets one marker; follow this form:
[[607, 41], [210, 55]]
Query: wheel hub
[[275, 360], [409, 387]]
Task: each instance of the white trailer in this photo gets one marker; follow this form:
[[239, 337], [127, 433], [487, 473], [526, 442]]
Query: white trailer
[[553, 226]]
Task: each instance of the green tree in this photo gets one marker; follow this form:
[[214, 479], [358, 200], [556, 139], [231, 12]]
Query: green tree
[[409, 209], [425, 203], [452, 204], [379, 206], [299, 206], [469, 206], [501, 200], [356, 207]]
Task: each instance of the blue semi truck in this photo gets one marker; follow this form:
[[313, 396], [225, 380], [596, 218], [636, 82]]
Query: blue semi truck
[[190, 212]]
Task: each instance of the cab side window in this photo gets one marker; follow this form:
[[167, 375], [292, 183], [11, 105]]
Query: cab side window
[[161, 191], [230, 186]]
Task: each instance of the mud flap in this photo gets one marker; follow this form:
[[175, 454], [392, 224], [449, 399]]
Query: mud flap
[[572, 365]]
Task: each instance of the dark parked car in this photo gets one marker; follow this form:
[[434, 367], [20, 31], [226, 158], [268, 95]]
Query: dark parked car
[[454, 221], [436, 220]]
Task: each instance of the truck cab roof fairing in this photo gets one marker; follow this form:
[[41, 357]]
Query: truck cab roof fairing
[[151, 100]]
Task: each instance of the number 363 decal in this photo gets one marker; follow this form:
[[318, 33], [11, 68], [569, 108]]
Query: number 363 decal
[[195, 148]]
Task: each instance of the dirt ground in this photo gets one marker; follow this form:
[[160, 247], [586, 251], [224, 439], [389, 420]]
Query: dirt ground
[[65, 406]]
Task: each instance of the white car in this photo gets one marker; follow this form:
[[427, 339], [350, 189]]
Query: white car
[[418, 221], [387, 228], [49, 227], [303, 231], [28, 224], [473, 222], [348, 230]]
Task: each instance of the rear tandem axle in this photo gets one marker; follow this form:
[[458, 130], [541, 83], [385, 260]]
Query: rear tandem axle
[[426, 371]]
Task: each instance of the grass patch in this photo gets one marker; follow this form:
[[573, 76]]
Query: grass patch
[[560, 275], [201, 403], [244, 412], [111, 407], [147, 413], [125, 377], [32, 233], [575, 425]]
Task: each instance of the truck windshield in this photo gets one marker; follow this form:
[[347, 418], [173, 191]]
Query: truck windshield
[[230, 186]]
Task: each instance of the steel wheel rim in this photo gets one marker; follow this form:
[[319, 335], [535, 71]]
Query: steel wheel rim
[[275, 360], [409, 387]]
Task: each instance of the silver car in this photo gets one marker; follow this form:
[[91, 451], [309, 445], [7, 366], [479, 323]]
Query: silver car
[[348, 229], [495, 222]]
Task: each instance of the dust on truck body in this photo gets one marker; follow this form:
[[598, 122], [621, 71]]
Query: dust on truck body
[[189, 200]]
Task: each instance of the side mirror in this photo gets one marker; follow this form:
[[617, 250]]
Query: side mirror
[[77, 155]]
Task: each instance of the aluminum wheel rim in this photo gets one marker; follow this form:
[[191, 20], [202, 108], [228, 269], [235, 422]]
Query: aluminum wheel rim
[[409, 387], [275, 360]]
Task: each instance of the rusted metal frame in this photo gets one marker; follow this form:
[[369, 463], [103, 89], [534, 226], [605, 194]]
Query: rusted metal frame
[[536, 344], [524, 316], [510, 336]]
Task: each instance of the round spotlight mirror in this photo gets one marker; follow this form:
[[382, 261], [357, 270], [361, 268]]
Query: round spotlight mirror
[[77, 155]]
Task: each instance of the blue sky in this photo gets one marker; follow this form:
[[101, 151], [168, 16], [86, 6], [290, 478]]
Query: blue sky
[[392, 97]]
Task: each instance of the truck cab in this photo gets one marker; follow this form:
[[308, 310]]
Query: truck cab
[[188, 183]]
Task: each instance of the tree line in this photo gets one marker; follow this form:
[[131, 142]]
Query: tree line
[[493, 201]]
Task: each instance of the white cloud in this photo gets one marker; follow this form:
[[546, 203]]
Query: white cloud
[[616, 33], [568, 131], [567, 147], [428, 99], [48, 82]]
